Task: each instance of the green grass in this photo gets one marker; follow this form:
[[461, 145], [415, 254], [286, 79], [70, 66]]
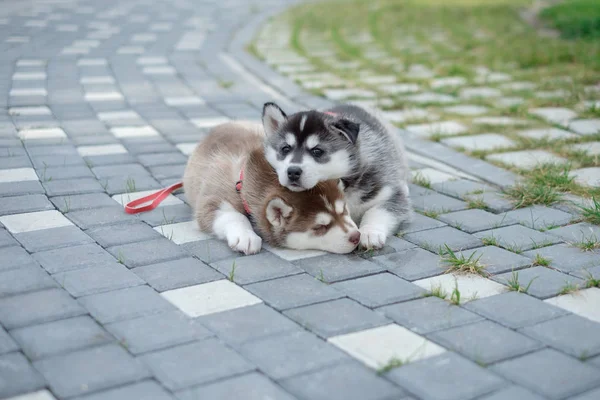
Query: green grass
[[436, 291], [575, 19], [591, 281], [569, 288], [592, 213], [588, 243], [461, 264], [421, 180], [540, 260], [390, 365], [514, 284], [544, 184]]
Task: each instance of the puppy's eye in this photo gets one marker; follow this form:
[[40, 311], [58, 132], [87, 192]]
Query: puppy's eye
[[316, 152], [320, 229], [285, 150]]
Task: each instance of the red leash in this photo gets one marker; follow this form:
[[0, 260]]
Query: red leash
[[155, 198]]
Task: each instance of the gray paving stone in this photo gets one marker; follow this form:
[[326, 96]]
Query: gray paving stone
[[577, 232], [49, 174], [245, 324], [347, 381], [545, 282], [176, 274], [37, 307], [112, 235], [52, 338], [497, 260], [462, 188], [167, 171], [585, 126], [428, 315], [435, 240], [23, 204], [333, 268], [72, 186], [438, 203], [18, 376], [158, 331], [254, 386], [194, 364], [78, 202], [378, 290], [293, 291], [571, 334], [141, 390], [566, 258], [52, 238], [87, 219], [20, 188], [420, 223], [591, 395], [447, 376], [7, 344], [411, 264], [475, 220], [75, 257], [210, 251], [514, 310], [6, 239], [518, 238], [151, 160], [167, 215], [494, 201], [148, 252], [90, 370], [98, 279], [109, 171], [256, 268], [291, 354], [123, 304], [513, 392], [485, 342], [14, 257], [336, 317], [121, 184], [539, 217], [26, 278], [549, 373], [595, 361]]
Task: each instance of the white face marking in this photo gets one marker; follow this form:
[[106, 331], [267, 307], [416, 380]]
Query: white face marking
[[290, 139], [334, 241], [339, 206], [302, 122], [323, 219], [312, 141], [328, 205]]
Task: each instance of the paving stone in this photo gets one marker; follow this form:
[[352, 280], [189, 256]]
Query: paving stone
[[411, 264], [123, 304], [193, 364], [142, 390], [526, 159], [26, 278], [447, 376], [591, 395], [18, 376], [53, 238], [7, 344], [254, 386], [335, 317], [547, 134], [518, 238], [570, 334], [566, 258], [487, 141], [479, 92], [438, 203], [210, 251], [513, 392], [436, 239], [585, 126], [148, 252], [432, 176], [555, 115], [583, 302], [37, 307], [293, 291], [549, 373], [14, 257], [72, 186], [24, 204], [437, 128], [333, 268], [476, 220], [175, 274], [6, 240], [97, 279], [587, 176], [347, 381], [545, 282], [471, 286], [290, 354], [462, 187], [539, 217], [49, 339], [499, 121], [291, 254], [576, 233], [90, 370], [168, 215], [71, 258], [430, 97], [256, 268], [70, 203], [121, 184], [182, 232], [380, 289], [591, 148], [112, 235], [19, 223]]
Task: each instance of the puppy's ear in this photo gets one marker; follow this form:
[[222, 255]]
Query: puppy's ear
[[272, 117], [278, 211], [346, 128]]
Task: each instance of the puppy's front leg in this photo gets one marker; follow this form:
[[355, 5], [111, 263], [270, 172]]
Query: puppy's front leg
[[229, 224]]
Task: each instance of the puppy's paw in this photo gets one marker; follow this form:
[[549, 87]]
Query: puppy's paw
[[372, 238], [245, 241]]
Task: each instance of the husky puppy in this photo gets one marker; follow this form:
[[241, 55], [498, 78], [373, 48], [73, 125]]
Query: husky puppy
[[235, 195], [350, 143]]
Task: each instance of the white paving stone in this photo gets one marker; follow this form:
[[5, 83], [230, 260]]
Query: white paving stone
[[450, 81], [499, 121], [342, 94], [143, 37], [187, 148], [527, 159], [587, 176], [35, 221], [125, 198], [182, 232], [432, 175], [518, 86], [118, 115], [86, 43], [41, 395], [209, 122], [103, 96], [479, 92], [401, 88], [293, 255], [17, 39], [592, 148], [133, 131], [151, 61], [31, 63], [29, 76], [509, 101], [34, 110], [42, 133], [547, 133], [551, 94], [101, 150], [295, 68], [486, 141], [18, 175], [376, 347], [466, 109], [493, 77], [470, 286], [28, 92], [130, 50], [209, 298], [419, 72], [585, 303], [408, 115], [585, 126], [92, 62], [96, 80], [556, 115], [378, 79], [159, 70], [437, 128], [430, 97], [184, 101], [75, 50]]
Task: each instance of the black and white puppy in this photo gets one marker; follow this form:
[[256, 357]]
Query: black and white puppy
[[349, 143]]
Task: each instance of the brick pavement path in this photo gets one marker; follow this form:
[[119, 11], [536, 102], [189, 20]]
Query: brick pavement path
[[102, 101]]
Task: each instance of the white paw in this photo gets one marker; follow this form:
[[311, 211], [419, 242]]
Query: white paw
[[245, 241], [372, 238]]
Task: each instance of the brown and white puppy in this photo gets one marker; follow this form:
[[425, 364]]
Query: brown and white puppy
[[235, 194]]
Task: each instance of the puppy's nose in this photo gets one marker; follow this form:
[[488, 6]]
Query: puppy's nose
[[294, 173], [354, 238]]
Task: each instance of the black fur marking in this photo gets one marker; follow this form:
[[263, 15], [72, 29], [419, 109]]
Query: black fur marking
[[348, 128]]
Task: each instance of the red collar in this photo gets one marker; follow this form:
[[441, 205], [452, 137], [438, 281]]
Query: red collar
[[238, 188]]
